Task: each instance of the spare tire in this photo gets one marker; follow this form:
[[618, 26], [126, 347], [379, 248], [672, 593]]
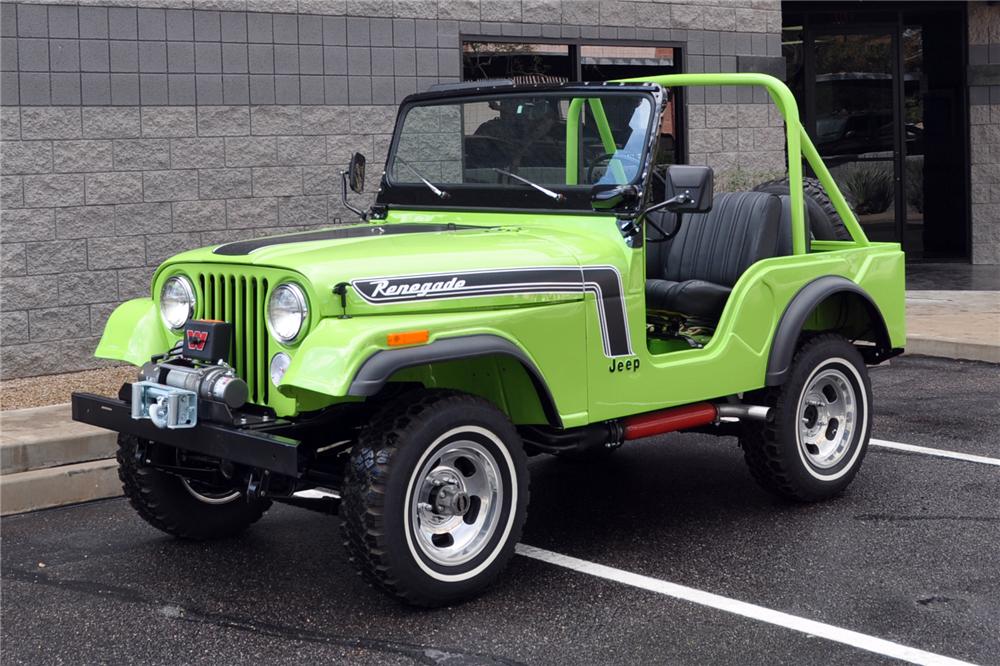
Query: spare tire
[[824, 220]]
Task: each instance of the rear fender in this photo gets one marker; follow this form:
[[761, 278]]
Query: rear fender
[[818, 306]]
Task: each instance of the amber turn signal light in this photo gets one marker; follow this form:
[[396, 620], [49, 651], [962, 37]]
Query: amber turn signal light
[[408, 338]]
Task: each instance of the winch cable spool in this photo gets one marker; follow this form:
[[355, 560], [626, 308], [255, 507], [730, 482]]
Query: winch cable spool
[[214, 382]]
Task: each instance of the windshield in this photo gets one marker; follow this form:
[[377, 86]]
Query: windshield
[[533, 141]]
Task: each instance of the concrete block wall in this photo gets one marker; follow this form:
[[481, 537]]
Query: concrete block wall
[[984, 131], [134, 129]]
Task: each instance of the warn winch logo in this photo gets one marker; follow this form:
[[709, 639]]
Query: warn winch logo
[[603, 281], [196, 340]]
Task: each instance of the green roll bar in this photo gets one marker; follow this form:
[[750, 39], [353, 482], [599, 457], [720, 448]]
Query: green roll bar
[[573, 139], [798, 141]]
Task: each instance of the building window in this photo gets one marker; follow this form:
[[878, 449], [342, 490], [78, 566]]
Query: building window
[[561, 62]]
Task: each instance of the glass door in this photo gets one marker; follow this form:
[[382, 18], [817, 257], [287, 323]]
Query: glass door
[[883, 95], [855, 127]]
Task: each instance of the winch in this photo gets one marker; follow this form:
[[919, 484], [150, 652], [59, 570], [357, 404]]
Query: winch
[[168, 393], [169, 388]]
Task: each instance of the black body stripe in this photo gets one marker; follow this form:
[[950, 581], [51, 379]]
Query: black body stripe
[[357, 231], [603, 281]]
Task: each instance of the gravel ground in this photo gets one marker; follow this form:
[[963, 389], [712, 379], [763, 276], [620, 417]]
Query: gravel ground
[[55, 389]]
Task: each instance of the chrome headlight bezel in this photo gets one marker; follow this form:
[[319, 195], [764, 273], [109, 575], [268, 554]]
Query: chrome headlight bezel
[[190, 301], [299, 302]]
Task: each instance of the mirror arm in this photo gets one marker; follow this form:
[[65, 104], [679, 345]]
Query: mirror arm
[[682, 199], [343, 198]]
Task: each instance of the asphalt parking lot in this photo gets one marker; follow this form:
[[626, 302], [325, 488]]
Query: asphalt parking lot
[[910, 554]]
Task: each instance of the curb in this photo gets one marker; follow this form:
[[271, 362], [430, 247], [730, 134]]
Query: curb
[[49, 460], [58, 486], [42, 437], [953, 349]]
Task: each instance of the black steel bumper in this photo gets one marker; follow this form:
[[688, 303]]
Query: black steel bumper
[[244, 446]]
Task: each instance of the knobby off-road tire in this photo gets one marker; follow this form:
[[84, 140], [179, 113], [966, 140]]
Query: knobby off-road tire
[[175, 506], [824, 220], [401, 531], [817, 433]]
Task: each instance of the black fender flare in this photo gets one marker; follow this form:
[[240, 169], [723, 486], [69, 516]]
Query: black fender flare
[[793, 320], [380, 366]]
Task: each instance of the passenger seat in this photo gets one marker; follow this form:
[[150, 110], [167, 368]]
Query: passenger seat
[[694, 272]]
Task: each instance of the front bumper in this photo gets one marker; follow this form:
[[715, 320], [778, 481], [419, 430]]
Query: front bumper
[[250, 446]]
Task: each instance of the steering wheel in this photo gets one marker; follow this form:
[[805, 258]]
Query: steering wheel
[[605, 161]]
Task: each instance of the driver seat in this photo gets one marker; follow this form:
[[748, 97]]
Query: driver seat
[[694, 272]]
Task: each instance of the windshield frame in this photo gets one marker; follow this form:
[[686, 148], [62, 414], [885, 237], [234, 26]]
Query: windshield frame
[[507, 196]]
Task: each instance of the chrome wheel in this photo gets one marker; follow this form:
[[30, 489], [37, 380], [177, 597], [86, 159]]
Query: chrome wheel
[[456, 499], [827, 418]]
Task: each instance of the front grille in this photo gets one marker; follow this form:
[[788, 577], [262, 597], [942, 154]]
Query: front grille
[[241, 301]]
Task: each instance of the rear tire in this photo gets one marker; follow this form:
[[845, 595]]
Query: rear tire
[[817, 433], [435, 498], [186, 510]]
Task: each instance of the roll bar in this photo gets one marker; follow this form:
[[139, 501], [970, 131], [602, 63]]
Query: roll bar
[[798, 142]]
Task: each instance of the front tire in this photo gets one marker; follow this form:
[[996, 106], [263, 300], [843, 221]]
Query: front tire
[[181, 508], [435, 498], [817, 433]]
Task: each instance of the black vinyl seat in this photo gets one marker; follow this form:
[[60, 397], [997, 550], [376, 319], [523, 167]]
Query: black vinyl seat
[[694, 272]]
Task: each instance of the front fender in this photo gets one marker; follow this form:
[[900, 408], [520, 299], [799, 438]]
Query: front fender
[[133, 333], [330, 358]]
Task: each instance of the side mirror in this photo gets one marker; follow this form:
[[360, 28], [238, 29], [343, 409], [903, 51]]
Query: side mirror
[[688, 189], [356, 173], [354, 177]]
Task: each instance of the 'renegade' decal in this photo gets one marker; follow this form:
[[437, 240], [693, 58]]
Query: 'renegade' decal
[[603, 281]]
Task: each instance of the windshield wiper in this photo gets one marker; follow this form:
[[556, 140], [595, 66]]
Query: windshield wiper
[[544, 190], [436, 190]]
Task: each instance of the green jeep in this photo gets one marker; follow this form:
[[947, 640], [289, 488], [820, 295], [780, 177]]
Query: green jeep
[[532, 278]]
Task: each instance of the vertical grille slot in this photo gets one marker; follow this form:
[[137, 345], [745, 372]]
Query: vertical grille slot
[[239, 300]]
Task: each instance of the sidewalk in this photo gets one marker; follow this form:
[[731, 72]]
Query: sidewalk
[[954, 324]]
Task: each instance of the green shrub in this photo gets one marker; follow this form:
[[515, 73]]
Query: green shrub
[[871, 187]]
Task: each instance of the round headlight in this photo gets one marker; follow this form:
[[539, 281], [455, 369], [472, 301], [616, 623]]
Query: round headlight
[[177, 301], [287, 311]]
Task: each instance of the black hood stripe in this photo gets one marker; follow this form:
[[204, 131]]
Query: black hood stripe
[[603, 281], [354, 231]]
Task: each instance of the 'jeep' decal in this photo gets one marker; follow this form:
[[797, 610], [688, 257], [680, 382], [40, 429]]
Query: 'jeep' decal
[[603, 281]]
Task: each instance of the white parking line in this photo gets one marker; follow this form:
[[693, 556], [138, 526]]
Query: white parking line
[[941, 453], [752, 611]]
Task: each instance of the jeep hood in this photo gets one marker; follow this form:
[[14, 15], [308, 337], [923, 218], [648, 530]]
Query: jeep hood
[[426, 265]]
